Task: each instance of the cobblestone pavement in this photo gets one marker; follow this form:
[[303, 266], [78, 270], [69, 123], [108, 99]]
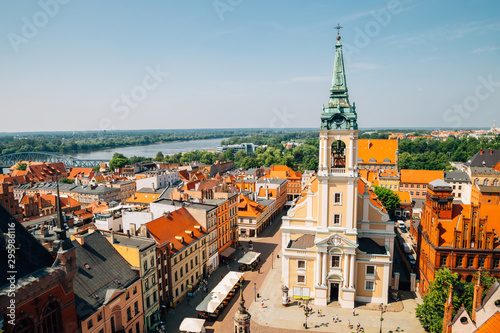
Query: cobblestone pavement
[[273, 317]]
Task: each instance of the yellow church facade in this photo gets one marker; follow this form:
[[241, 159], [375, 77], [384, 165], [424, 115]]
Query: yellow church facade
[[337, 237]]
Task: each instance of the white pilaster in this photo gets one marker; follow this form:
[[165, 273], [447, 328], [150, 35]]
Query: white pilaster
[[324, 204], [350, 205], [318, 268], [324, 270], [286, 272], [351, 154], [351, 272], [346, 270], [325, 151]]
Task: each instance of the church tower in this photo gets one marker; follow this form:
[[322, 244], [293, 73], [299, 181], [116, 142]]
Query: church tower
[[338, 180], [337, 237]]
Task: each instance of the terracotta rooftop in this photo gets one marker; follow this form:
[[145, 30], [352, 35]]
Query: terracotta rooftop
[[420, 176], [377, 151], [179, 228]]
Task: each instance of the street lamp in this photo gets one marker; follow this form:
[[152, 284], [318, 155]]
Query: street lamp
[[382, 308], [255, 290]]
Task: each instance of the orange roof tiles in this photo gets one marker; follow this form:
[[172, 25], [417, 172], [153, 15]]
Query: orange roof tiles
[[491, 325], [369, 175], [97, 206], [144, 198], [80, 172], [249, 208], [270, 192], [377, 151], [65, 201], [179, 223], [404, 197], [373, 197], [420, 176]]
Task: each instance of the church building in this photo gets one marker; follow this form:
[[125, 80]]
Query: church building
[[337, 237]]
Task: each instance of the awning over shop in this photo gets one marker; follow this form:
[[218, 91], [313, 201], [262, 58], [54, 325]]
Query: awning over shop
[[194, 325], [227, 252], [249, 258], [212, 301]]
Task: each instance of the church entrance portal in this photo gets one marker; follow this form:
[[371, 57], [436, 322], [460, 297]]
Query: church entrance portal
[[334, 292]]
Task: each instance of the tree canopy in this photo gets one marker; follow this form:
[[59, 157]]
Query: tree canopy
[[431, 311], [388, 197]]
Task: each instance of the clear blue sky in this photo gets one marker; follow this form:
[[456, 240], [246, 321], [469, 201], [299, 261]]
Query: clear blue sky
[[245, 63]]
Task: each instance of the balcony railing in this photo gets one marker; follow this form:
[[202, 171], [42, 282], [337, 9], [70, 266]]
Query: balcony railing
[[338, 170]]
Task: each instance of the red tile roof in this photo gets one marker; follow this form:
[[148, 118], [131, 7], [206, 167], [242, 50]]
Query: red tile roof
[[174, 225], [377, 151], [420, 176]]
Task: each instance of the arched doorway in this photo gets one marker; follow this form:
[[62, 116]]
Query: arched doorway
[[334, 283]]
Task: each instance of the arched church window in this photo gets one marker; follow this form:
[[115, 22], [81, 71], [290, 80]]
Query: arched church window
[[495, 182], [51, 321], [338, 154], [486, 182]]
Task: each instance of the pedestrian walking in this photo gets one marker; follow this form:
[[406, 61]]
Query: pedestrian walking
[[318, 312], [337, 318], [348, 324], [358, 327], [262, 304], [354, 312]]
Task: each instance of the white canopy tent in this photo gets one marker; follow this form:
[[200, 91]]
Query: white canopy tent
[[192, 325], [249, 258], [212, 301], [120, 207]]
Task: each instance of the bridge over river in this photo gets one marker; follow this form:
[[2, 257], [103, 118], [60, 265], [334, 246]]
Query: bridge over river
[[9, 160]]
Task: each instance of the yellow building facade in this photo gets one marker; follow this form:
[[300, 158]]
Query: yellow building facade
[[337, 238]]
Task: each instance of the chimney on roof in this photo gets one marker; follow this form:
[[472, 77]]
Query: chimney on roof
[[80, 239], [112, 236], [481, 152], [166, 214], [128, 233], [491, 151]]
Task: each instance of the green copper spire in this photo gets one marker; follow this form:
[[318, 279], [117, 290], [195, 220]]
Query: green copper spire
[[339, 114]]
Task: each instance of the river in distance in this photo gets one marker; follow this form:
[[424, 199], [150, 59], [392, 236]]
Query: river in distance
[[167, 148]]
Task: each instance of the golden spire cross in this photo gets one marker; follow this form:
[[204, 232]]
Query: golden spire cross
[[338, 27]]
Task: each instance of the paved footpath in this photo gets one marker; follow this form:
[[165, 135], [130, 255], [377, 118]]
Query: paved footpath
[[276, 318]]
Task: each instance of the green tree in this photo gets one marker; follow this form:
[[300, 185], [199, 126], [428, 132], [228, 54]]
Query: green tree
[[239, 157], [118, 161], [431, 311], [66, 181], [389, 198], [21, 166], [97, 168], [159, 156], [229, 154]]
